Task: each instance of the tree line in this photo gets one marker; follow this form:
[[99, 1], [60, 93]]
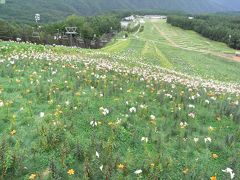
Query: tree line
[[88, 28], [222, 28]]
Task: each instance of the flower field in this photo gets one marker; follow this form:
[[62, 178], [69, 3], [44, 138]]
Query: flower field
[[69, 113]]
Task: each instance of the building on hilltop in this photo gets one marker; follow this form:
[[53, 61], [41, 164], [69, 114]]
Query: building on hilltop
[[129, 18], [124, 24], [155, 17], [126, 21]]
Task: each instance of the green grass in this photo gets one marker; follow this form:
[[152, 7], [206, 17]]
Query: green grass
[[50, 96], [197, 56]]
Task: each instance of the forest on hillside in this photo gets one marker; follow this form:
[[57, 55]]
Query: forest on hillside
[[222, 28], [55, 10], [87, 27]]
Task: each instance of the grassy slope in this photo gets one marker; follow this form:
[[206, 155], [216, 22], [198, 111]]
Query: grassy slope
[[184, 51], [71, 93]]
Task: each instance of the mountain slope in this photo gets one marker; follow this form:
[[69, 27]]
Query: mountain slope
[[229, 4], [58, 9]]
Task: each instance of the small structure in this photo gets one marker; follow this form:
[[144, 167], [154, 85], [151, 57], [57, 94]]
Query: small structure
[[58, 35], [71, 31], [36, 31], [129, 18], [126, 21], [124, 24], [37, 17], [93, 43], [155, 17], [36, 34], [190, 18], [18, 39], [141, 21], [237, 53], [64, 37], [80, 40]]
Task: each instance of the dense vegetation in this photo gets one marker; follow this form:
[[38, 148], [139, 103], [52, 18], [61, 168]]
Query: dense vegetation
[[219, 28], [12, 30], [146, 107], [75, 113], [86, 27], [54, 10]]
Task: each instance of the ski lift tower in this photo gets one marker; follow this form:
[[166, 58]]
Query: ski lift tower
[[36, 33], [71, 31], [37, 18]]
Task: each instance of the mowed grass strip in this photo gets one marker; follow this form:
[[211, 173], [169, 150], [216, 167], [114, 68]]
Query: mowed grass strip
[[195, 56]]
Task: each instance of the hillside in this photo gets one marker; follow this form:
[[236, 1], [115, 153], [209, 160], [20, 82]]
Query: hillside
[[162, 104], [231, 4], [180, 50], [58, 9]]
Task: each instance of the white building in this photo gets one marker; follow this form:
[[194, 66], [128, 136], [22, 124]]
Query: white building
[[124, 24], [126, 21], [190, 17], [155, 17], [141, 21], [130, 18], [237, 53]]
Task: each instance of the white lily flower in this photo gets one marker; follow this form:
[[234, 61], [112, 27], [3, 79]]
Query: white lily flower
[[207, 101], [41, 114], [93, 123], [192, 115], [144, 139], [191, 106], [101, 167], [67, 103], [183, 124], [152, 117], [207, 139], [139, 171], [230, 171], [97, 154], [169, 95], [133, 110], [104, 111], [210, 128], [236, 102], [196, 140], [1, 103]]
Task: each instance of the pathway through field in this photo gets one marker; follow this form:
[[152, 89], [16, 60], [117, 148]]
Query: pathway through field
[[176, 39], [161, 44]]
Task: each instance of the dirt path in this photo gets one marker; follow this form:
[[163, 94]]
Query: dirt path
[[237, 58], [232, 57], [164, 35]]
